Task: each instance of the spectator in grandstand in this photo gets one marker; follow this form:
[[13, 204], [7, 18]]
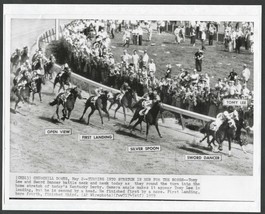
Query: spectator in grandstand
[[203, 39], [245, 91], [168, 71], [211, 30], [194, 78], [112, 29], [192, 35], [134, 35], [231, 89], [140, 35], [135, 61], [198, 60], [238, 39], [152, 66], [126, 38], [245, 74], [126, 58], [238, 87], [177, 34], [145, 59], [233, 75]]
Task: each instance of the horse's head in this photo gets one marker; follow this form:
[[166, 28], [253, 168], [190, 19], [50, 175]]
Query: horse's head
[[18, 52], [25, 50], [77, 92], [109, 95]]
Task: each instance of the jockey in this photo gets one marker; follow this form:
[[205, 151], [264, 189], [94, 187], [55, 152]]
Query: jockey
[[98, 91], [220, 118], [124, 88], [233, 116], [64, 68], [148, 103], [65, 95], [36, 75], [22, 81]]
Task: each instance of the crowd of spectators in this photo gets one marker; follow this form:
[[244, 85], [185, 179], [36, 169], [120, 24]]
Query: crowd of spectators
[[92, 57]]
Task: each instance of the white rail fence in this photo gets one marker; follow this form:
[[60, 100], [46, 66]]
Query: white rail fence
[[88, 85]]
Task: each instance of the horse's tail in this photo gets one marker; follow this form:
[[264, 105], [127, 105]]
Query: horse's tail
[[54, 102], [203, 130]]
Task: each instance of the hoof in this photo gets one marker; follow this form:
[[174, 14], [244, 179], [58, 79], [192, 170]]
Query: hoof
[[81, 118], [229, 153], [160, 136]]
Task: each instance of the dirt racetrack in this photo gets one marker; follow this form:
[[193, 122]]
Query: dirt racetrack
[[32, 151]]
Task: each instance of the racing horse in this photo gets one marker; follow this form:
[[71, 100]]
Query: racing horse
[[100, 104], [227, 132], [125, 102], [24, 55], [62, 79], [151, 118], [15, 59], [38, 82], [37, 63], [23, 93], [68, 105], [48, 68]]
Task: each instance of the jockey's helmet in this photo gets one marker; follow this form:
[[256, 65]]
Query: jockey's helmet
[[226, 114]]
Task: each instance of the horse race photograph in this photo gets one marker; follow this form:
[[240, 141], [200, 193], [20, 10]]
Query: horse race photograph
[[168, 92]]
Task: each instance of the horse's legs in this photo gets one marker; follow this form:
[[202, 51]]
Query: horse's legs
[[63, 87], [229, 147], [92, 111], [17, 103], [206, 136], [64, 111], [33, 96], [111, 104], [40, 97], [131, 109], [133, 119], [124, 112], [69, 114], [54, 84], [60, 88], [100, 114], [138, 122], [106, 111], [86, 107], [157, 129], [57, 112], [116, 110], [147, 130]]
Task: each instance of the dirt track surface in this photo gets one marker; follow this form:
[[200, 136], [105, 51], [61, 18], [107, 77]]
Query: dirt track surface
[[34, 152]]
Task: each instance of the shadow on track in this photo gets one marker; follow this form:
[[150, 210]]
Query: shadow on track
[[128, 134], [193, 150], [83, 122], [51, 120]]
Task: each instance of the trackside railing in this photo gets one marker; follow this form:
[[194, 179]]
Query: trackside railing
[[88, 85]]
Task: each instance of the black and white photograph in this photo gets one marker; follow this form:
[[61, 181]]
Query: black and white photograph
[[120, 106]]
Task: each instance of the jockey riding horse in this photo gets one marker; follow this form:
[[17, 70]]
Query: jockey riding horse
[[63, 78]]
